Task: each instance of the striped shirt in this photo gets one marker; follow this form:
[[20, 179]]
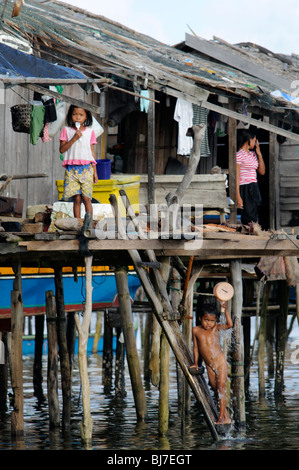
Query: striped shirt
[[249, 164]]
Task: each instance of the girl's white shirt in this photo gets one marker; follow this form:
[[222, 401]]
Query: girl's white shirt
[[80, 152]]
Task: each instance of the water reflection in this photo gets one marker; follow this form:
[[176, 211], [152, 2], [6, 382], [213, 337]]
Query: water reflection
[[269, 424]]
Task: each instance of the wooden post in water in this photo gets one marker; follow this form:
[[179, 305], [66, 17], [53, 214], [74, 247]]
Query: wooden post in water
[[83, 331], [270, 342], [238, 386], [147, 345], [281, 337], [17, 422], [52, 374], [262, 340], [17, 416], [38, 355], [63, 351], [164, 386], [71, 338], [155, 352], [120, 364], [129, 335], [98, 331], [107, 354], [3, 372], [164, 363]]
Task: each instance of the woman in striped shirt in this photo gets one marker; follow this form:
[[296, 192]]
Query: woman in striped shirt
[[249, 162]]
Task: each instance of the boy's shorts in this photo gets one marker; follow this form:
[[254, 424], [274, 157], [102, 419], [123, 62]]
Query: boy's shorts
[[78, 180]]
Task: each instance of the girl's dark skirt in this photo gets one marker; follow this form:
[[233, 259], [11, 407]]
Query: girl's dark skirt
[[250, 193]]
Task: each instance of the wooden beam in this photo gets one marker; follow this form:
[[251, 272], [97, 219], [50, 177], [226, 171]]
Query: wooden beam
[[232, 150], [68, 99], [233, 114], [151, 149]]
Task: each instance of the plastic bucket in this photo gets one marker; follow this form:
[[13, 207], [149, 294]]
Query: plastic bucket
[[104, 169]]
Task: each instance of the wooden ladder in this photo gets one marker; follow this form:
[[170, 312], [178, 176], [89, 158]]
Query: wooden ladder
[[162, 309]]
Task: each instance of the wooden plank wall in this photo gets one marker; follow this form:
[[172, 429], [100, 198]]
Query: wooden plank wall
[[19, 156], [288, 211]]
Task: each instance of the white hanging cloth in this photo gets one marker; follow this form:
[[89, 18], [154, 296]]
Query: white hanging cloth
[[183, 114]]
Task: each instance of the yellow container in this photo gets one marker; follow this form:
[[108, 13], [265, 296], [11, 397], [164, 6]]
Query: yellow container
[[103, 189]]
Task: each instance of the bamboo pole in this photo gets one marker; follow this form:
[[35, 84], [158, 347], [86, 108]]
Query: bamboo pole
[[83, 331], [129, 335], [52, 373]]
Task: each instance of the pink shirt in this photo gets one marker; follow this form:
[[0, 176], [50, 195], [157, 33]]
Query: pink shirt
[[248, 162], [80, 152]]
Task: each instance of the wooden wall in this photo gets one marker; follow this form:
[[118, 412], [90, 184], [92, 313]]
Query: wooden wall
[[19, 156], [288, 177]]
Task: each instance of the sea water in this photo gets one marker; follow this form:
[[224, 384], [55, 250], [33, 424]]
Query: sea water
[[270, 424]]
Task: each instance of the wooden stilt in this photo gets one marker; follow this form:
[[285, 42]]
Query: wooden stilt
[[3, 373], [164, 386], [262, 340], [147, 345], [17, 419], [238, 347], [52, 374], [129, 335], [281, 336], [38, 355], [63, 351], [164, 363], [71, 338], [107, 354], [97, 332], [155, 353], [247, 343], [175, 290], [120, 364], [83, 331], [270, 342]]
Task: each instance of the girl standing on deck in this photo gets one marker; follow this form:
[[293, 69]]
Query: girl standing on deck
[[249, 162], [77, 142]]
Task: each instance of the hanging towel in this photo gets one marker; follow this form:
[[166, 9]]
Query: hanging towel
[[183, 114], [144, 103], [36, 123]]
